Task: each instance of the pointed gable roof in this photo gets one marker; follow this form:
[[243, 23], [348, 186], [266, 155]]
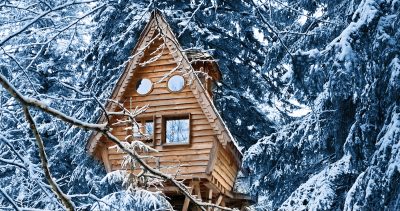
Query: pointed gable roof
[[158, 23]]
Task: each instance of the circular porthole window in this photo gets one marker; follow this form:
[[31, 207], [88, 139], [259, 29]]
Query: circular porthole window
[[176, 83], [144, 86]]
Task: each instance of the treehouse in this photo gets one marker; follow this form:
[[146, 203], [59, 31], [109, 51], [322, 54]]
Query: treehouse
[[181, 122]]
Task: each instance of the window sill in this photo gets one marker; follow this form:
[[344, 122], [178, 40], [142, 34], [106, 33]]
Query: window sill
[[175, 144]]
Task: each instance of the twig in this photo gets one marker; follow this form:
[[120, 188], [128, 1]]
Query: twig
[[18, 8], [41, 16], [190, 18], [87, 94], [300, 13], [8, 198], [263, 19], [19, 65]]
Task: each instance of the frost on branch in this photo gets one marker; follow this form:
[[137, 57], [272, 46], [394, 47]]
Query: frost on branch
[[140, 200]]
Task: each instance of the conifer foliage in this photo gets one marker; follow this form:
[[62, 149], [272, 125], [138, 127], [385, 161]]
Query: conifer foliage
[[310, 89]]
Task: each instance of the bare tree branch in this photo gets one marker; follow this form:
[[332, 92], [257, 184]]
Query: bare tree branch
[[41, 16], [43, 157], [9, 199], [102, 128], [27, 101], [273, 30], [300, 13], [27, 166], [12, 162]]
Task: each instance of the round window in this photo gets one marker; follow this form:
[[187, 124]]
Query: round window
[[176, 83], [143, 86]]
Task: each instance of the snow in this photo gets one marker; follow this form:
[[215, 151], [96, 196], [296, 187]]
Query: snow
[[395, 76], [365, 13], [259, 35], [318, 193], [303, 19], [391, 141], [263, 146], [139, 200], [289, 73], [271, 112], [301, 111], [319, 12], [313, 53], [369, 183], [114, 177], [353, 192], [292, 164]]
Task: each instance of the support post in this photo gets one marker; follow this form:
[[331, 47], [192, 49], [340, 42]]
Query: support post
[[219, 200], [210, 195], [187, 200], [198, 193]]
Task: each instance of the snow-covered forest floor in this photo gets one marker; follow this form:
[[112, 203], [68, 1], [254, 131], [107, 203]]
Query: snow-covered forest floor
[[310, 90]]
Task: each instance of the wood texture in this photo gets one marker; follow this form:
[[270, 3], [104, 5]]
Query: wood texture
[[105, 158], [206, 156], [177, 160], [187, 201], [225, 170]]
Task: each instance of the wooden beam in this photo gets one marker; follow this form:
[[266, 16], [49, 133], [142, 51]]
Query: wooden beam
[[210, 195], [223, 202], [165, 189], [187, 200], [219, 200], [212, 186], [235, 155], [198, 191], [106, 161], [213, 157]]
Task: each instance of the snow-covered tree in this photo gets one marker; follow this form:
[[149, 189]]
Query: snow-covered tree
[[343, 154], [310, 89]]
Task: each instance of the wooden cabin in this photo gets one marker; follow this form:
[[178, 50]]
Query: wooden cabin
[[181, 121]]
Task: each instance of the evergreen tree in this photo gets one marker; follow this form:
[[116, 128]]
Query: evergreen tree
[[310, 90]]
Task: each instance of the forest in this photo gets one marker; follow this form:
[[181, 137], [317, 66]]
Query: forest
[[310, 90]]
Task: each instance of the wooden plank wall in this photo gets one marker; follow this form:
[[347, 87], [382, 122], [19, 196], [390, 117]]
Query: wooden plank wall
[[225, 169], [192, 160]]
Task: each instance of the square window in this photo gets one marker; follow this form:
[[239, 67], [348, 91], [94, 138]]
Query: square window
[[144, 130], [176, 130]]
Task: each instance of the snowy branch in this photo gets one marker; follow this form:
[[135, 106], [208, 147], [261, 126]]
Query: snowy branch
[[28, 101], [102, 128], [60, 7], [8, 198], [43, 157]]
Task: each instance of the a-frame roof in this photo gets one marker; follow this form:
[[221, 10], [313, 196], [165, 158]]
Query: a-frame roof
[[158, 24]]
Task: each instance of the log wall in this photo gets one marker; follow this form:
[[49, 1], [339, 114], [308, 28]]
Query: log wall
[[184, 161], [204, 157]]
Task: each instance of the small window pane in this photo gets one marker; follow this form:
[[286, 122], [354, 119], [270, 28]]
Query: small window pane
[[176, 83], [149, 128], [144, 86], [136, 130], [177, 131]]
